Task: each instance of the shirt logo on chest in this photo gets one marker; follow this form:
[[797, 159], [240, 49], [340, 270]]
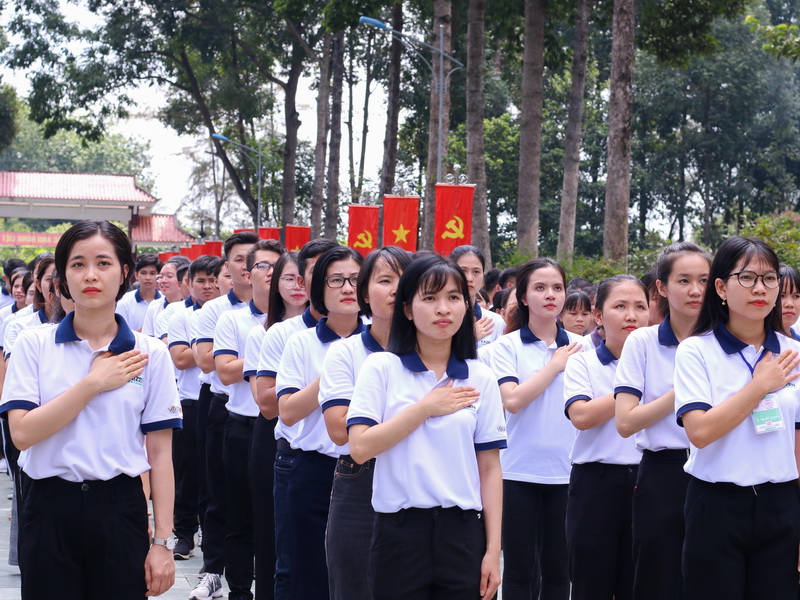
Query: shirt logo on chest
[[137, 381]]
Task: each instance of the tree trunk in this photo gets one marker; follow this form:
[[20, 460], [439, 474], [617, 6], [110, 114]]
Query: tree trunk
[[618, 181], [441, 27], [321, 145], [351, 159], [290, 147], [369, 76], [337, 83], [392, 116], [530, 128], [476, 161], [572, 145]]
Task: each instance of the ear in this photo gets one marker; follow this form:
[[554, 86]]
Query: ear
[[407, 312], [661, 288], [247, 277], [125, 271], [719, 286], [598, 317]]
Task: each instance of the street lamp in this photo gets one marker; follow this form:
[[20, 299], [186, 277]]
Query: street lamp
[[257, 165], [441, 82]]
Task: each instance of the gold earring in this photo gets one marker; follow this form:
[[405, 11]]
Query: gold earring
[[724, 301]]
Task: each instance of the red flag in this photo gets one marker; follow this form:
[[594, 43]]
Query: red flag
[[297, 236], [453, 222], [362, 231], [269, 233], [242, 230], [214, 248], [400, 221]]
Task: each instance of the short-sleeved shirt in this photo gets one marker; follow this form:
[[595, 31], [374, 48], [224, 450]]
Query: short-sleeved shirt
[[340, 370], [151, 314], [646, 369], [300, 365], [206, 324], [5, 298], [16, 326], [436, 464], [106, 438], [180, 334], [498, 322], [590, 375], [230, 337], [132, 307], [539, 438], [709, 369], [164, 317]]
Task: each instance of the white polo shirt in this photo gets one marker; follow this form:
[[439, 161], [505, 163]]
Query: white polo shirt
[[18, 325], [589, 375], [151, 314], [269, 360], [106, 439], [709, 369], [497, 320], [230, 337], [206, 324], [300, 365], [340, 370], [646, 369], [164, 317], [6, 313], [252, 351], [180, 334], [5, 297], [539, 438], [436, 464], [132, 307]]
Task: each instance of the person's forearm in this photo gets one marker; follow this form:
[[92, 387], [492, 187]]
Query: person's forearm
[[229, 369], [162, 481], [204, 355], [182, 357], [336, 424], [491, 477], [589, 414], [29, 427], [295, 407], [527, 391], [266, 397], [632, 417], [367, 442]]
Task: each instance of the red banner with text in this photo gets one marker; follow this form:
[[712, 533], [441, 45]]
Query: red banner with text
[[453, 223], [400, 221], [362, 231], [29, 238]]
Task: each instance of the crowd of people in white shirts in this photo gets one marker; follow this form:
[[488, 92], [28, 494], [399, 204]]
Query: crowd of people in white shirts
[[326, 425]]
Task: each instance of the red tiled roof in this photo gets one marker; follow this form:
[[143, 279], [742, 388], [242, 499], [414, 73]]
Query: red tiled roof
[[86, 187], [158, 229]]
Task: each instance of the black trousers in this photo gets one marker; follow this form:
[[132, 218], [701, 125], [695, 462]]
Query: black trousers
[[741, 542], [658, 525], [239, 521], [84, 541], [308, 498], [215, 528], [262, 475], [534, 541], [203, 404], [427, 554], [185, 461], [599, 531]]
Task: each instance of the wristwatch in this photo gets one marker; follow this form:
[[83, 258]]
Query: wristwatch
[[168, 543]]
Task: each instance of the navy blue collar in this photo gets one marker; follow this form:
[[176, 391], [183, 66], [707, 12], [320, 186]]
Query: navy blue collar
[[666, 337], [188, 302], [327, 335], [166, 302], [456, 368], [476, 309], [138, 297], [197, 306], [14, 307], [528, 337], [42, 315], [308, 318], [370, 343], [233, 298], [731, 344], [604, 354], [122, 342], [254, 309], [5, 291]]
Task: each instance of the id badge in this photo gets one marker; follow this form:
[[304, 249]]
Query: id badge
[[767, 416]]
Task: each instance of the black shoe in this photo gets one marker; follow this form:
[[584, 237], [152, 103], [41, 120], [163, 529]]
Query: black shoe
[[184, 549]]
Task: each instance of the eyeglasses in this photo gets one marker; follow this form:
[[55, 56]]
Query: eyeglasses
[[748, 279], [263, 266], [337, 281], [289, 281]]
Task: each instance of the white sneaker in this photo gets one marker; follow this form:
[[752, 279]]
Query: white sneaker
[[210, 586]]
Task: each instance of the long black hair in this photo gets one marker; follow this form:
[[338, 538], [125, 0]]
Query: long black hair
[[277, 309], [732, 251], [318, 283], [430, 273], [524, 274], [395, 258], [666, 262]]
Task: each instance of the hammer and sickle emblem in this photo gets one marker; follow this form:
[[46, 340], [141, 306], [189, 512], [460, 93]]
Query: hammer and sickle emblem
[[455, 229], [364, 240]]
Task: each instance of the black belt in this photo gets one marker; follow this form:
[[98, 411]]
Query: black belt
[[666, 455], [241, 418], [283, 445]]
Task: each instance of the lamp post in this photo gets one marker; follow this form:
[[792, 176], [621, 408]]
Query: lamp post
[[439, 79], [257, 165]]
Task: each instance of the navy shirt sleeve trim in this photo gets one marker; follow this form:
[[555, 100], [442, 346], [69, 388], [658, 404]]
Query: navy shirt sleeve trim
[[510, 378], [203, 340], [627, 390], [361, 421], [335, 402], [15, 404], [223, 351], [178, 343], [500, 444], [159, 425], [266, 373], [248, 374], [691, 406], [575, 399], [289, 390]]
